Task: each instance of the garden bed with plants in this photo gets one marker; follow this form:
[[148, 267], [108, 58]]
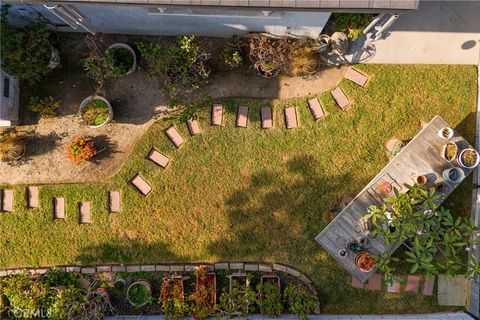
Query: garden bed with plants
[[203, 293]]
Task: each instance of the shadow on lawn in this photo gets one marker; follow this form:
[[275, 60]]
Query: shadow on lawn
[[127, 251]]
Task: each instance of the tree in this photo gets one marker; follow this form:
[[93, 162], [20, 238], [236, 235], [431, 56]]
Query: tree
[[433, 240]]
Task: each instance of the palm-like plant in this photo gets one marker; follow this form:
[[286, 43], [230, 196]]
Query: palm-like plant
[[12, 146]]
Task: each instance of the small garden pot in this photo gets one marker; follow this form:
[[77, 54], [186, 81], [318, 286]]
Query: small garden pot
[[139, 293], [96, 111], [454, 175], [365, 262], [445, 133], [124, 59], [469, 158], [449, 151], [421, 180], [268, 74]]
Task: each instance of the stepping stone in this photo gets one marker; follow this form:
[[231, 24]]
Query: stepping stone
[[59, 208], [395, 286], [114, 201], [267, 117], [193, 127], [413, 282], [291, 120], [316, 108], [84, 208], [375, 282], [340, 97], [242, 116], [158, 158], [356, 283], [174, 136], [141, 185], [356, 77], [7, 200], [451, 290], [32, 197], [217, 114], [392, 144], [428, 286]]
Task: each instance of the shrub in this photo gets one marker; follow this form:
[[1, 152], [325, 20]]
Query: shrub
[[300, 301], [99, 66], [270, 56], [25, 52], [172, 298], [203, 297], [56, 277], [47, 107], [12, 146], [270, 300], [352, 23], [96, 112], [231, 57], [181, 67], [240, 300], [122, 61], [80, 149], [305, 60]]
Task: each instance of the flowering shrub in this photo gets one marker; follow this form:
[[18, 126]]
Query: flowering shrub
[[80, 149]]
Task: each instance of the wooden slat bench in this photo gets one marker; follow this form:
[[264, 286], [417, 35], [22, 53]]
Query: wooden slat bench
[[174, 136]]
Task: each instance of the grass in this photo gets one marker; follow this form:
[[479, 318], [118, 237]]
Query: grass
[[250, 194]]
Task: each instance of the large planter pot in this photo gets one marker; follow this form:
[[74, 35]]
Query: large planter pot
[[54, 59], [449, 151], [143, 285], [365, 262], [86, 102], [469, 158], [454, 175], [125, 47]]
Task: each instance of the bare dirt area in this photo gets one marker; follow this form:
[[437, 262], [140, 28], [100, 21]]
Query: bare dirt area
[[137, 102]]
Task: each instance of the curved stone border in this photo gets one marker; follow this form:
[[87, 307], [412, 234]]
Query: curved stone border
[[171, 267]]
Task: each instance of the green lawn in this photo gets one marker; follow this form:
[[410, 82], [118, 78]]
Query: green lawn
[[249, 194]]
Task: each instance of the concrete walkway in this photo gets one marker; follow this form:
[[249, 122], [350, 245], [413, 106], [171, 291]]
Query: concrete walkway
[[439, 32]]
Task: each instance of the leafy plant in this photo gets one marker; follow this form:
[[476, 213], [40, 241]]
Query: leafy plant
[[269, 299], [181, 67], [122, 61], [352, 23], [270, 56], [25, 52], [240, 301], [172, 298], [57, 277], [47, 107], [139, 294], [99, 66], [231, 57], [96, 112], [12, 146], [204, 296], [300, 301], [80, 149], [305, 60], [190, 108], [434, 241]]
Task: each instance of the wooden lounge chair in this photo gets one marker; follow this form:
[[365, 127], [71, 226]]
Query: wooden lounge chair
[[356, 77], [242, 116], [84, 208], [141, 185], [217, 114], [59, 208], [316, 109], [266, 117], [7, 200], [114, 201], [32, 197], [193, 127], [158, 158], [174, 136], [291, 119], [340, 97]]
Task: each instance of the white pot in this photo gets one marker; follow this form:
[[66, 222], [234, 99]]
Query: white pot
[[450, 133], [95, 97], [460, 175], [444, 149], [54, 59], [461, 161], [126, 46]]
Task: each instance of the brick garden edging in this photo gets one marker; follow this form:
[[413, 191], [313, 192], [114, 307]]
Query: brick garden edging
[[171, 267]]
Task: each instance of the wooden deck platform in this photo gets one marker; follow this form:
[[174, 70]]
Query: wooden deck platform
[[421, 156]]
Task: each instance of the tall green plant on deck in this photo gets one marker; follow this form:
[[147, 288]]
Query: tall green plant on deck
[[434, 241], [25, 52]]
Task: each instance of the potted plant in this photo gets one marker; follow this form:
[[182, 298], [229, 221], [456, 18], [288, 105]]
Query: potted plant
[[139, 293], [238, 301], [468, 158], [172, 297], [12, 146], [365, 262], [80, 149], [445, 133], [269, 298], [47, 107], [449, 151], [270, 57], [454, 175], [299, 300], [124, 60], [205, 295], [26, 52], [96, 111]]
